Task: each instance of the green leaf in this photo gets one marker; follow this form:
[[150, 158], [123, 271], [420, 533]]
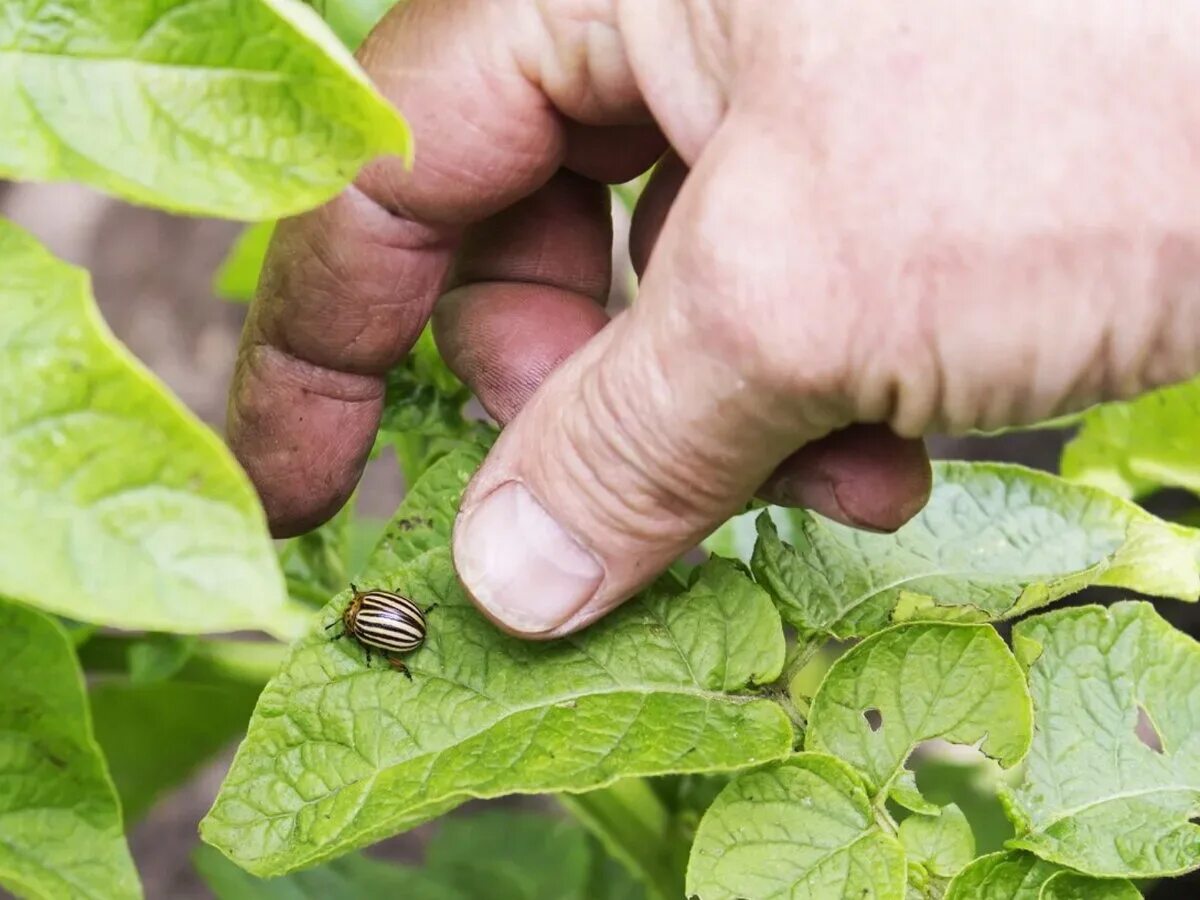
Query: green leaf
[[503, 856], [351, 20], [155, 736], [316, 563], [1022, 876], [913, 683], [803, 828], [904, 793], [237, 279], [942, 843], [500, 856], [971, 784], [60, 822], [321, 562], [122, 508], [248, 109], [156, 657], [352, 877], [338, 755], [1095, 795], [994, 542], [426, 517], [609, 880], [1131, 449], [423, 411], [636, 827]]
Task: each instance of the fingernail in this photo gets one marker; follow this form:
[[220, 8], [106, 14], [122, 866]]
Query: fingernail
[[520, 565]]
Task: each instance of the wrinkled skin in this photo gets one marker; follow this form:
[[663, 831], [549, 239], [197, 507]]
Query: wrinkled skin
[[895, 219]]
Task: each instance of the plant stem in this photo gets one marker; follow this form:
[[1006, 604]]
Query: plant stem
[[211, 660], [636, 828]]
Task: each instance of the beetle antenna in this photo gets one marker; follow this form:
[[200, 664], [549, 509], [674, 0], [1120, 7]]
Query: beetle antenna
[[331, 624]]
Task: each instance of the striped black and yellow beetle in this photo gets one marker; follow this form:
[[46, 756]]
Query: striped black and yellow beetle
[[384, 621]]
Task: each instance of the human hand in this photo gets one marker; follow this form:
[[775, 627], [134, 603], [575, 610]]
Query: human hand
[[964, 216]]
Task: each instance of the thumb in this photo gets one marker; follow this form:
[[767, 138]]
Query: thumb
[[619, 463], [634, 449]]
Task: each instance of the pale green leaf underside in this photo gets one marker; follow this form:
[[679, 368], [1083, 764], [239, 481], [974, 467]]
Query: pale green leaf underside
[[803, 828], [60, 823], [1136, 447], [923, 681], [241, 108], [121, 506], [1022, 876], [941, 843], [1094, 796], [995, 541], [339, 755]]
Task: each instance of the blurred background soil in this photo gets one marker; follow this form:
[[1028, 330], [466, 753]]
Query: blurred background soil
[[152, 274]]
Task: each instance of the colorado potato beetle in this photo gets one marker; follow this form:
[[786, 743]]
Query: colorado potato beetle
[[384, 621]]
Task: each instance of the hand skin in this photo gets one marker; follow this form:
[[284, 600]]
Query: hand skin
[[878, 221]]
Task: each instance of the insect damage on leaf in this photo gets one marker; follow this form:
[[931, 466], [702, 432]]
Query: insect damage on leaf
[[1096, 795], [931, 680]]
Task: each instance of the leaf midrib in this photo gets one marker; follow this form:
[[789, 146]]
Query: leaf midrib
[[1124, 795], [510, 712]]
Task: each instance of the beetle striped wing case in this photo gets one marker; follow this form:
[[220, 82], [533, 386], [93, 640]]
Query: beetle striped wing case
[[387, 621]]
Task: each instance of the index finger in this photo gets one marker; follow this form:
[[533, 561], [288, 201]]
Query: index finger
[[347, 288]]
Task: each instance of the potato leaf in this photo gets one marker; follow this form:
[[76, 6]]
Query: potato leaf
[[1136, 447], [244, 109], [423, 413], [122, 507], [994, 542], [1022, 876], [60, 822], [942, 844], [237, 279], [1113, 777], [351, 19], [500, 856], [803, 828], [339, 755], [913, 683], [156, 735]]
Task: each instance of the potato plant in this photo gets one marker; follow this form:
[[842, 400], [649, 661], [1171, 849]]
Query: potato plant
[[755, 726]]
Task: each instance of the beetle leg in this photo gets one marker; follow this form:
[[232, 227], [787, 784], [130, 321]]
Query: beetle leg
[[399, 666], [368, 651], [431, 609]]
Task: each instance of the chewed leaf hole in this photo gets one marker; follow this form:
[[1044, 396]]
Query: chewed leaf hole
[[1146, 732], [874, 718]]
